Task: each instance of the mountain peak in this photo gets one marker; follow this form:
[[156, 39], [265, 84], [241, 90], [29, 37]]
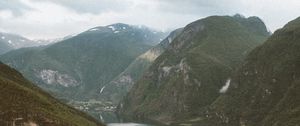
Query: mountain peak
[[239, 16], [253, 23], [116, 28], [120, 25], [250, 18]]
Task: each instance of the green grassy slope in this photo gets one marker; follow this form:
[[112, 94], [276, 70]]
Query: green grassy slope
[[265, 90], [23, 102]]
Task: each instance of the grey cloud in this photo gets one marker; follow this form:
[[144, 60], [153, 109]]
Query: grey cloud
[[196, 7], [93, 6], [15, 6], [159, 14]]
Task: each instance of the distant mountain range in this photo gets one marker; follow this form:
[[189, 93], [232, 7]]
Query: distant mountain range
[[10, 42], [77, 68], [23, 103]]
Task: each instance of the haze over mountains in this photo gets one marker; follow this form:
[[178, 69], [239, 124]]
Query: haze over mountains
[[216, 71], [77, 68], [10, 42]]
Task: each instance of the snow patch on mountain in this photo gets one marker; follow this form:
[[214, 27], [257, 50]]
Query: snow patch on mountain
[[112, 28], [169, 39], [225, 87], [102, 89], [41, 42], [94, 29], [73, 35]]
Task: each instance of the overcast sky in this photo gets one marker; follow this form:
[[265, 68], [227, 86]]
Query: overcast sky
[[57, 18]]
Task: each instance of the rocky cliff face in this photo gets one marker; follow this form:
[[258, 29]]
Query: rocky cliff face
[[194, 71]]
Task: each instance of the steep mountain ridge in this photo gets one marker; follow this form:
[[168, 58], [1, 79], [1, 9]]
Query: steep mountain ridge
[[265, 90], [188, 76], [120, 85]]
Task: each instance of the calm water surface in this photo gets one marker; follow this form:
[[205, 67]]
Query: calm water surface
[[111, 119], [127, 124]]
